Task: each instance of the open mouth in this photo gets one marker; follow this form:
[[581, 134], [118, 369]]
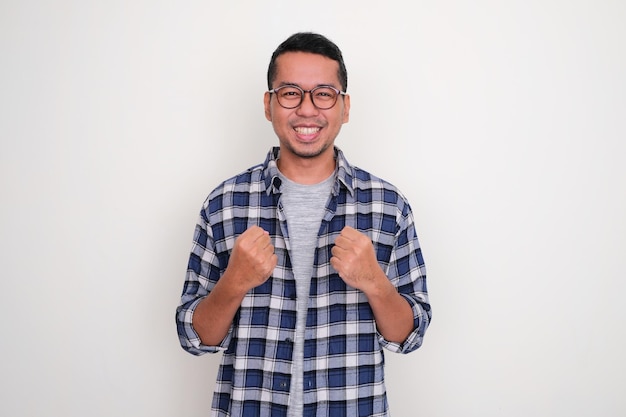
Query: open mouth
[[307, 130]]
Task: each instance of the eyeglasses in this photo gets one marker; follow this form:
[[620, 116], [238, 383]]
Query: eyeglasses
[[291, 96]]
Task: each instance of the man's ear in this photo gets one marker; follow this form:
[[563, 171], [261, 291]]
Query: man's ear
[[346, 108], [266, 102]]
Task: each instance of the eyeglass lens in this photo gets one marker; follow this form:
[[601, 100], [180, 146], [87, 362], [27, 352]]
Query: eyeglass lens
[[291, 97]]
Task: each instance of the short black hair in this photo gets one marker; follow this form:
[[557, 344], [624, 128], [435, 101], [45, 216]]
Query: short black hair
[[313, 43]]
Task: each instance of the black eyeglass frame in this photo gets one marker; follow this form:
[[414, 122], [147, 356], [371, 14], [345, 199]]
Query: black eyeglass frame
[[303, 91]]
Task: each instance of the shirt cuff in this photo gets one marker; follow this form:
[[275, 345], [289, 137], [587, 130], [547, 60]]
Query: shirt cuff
[[415, 338], [189, 338]]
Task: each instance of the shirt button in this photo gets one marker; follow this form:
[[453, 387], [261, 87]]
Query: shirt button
[[289, 340]]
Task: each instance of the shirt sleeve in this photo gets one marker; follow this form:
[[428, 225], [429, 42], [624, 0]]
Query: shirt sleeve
[[406, 270], [203, 271]]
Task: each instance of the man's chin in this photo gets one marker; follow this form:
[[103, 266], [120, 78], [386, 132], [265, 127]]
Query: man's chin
[[304, 153]]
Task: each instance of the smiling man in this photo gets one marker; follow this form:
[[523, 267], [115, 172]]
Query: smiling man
[[305, 267]]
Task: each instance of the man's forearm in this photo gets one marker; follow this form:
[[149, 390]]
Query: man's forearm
[[214, 315], [392, 312]]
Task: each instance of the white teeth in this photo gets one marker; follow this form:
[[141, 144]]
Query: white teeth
[[307, 130]]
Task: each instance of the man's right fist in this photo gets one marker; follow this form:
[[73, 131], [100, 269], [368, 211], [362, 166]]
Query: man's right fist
[[252, 259]]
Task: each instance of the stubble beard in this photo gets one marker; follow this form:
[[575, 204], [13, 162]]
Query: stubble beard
[[310, 153]]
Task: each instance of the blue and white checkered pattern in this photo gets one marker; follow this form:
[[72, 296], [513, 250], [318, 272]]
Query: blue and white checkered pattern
[[343, 356]]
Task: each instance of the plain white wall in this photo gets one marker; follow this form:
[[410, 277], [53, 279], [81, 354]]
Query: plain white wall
[[503, 122]]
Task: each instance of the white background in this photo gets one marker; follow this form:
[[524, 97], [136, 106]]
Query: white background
[[502, 121]]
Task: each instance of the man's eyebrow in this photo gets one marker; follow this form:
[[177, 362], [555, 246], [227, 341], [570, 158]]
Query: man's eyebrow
[[284, 83]]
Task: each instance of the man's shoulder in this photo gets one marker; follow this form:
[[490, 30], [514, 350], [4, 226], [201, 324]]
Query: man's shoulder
[[365, 180], [241, 181], [371, 188]]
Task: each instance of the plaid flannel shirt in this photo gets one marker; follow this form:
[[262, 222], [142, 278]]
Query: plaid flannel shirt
[[343, 356]]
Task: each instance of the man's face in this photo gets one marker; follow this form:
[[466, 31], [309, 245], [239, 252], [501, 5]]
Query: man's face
[[306, 132]]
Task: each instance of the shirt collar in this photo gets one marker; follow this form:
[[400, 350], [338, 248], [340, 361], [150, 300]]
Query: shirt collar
[[344, 172]]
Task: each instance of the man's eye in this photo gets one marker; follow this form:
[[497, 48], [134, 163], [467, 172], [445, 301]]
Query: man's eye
[[325, 94], [290, 93]]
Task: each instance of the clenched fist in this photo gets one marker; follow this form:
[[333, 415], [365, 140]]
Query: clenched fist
[[355, 260], [252, 259]]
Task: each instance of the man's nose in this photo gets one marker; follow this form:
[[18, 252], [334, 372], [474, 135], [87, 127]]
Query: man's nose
[[307, 106]]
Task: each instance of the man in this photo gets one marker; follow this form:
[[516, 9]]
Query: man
[[304, 267]]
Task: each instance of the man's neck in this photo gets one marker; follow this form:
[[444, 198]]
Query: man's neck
[[307, 171]]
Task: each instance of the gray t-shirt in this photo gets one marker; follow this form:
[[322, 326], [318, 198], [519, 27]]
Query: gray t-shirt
[[304, 207]]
